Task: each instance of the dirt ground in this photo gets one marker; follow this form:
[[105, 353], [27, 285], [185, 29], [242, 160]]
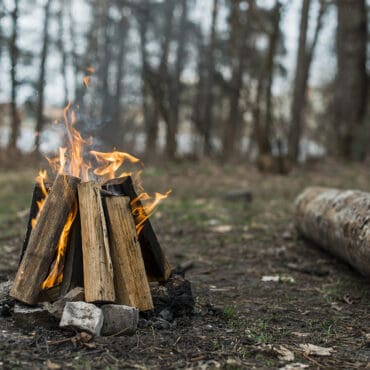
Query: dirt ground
[[240, 320]]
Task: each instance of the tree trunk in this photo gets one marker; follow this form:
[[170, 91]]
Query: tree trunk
[[61, 46], [14, 53], [300, 83], [237, 40], [41, 81], [209, 83], [338, 222], [351, 81]]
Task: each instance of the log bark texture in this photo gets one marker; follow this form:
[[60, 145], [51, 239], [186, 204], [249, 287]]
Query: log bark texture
[[156, 264], [338, 221], [97, 264], [130, 280], [43, 240]]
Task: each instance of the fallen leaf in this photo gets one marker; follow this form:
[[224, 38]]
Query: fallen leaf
[[295, 366], [311, 349], [300, 335], [274, 278], [277, 278], [52, 365], [222, 229], [284, 354]]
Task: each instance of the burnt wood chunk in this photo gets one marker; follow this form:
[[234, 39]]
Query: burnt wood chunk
[[156, 264], [43, 239], [97, 264], [130, 280]]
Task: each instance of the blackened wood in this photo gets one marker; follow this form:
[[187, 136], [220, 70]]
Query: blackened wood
[[34, 210], [73, 266], [156, 264], [44, 239], [98, 269]]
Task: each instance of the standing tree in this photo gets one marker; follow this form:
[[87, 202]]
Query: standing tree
[[238, 35], [42, 73], [14, 53], [304, 61], [351, 79]]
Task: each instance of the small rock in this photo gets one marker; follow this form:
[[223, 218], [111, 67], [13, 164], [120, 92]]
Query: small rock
[[239, 195], [31, 316], [56, 308], [166, 315], [119, 319], [82, 316], [161, 324]]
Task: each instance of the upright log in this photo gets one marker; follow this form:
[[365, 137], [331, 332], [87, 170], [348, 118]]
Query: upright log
[[156, 264], [43, 240], [130, 280], [37, 195], [97, 264], [338, 221]]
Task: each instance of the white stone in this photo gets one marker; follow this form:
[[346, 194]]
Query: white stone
[[82, 316], [119, 319]]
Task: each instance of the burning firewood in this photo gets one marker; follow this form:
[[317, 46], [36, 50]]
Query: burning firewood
[[156, 263], [44, 237], [131, 283], [98, 269], [337, 221]]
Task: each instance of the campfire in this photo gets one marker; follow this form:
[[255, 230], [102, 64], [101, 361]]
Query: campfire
[[90, 228]]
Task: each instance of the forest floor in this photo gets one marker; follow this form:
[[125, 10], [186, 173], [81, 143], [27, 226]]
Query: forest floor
[[241, 320]]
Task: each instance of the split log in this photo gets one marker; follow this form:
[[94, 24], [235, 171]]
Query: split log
[[97, 264], [34, 210], [338, 221], [156, 264], [73, 266], [130, 280], [43, 240]]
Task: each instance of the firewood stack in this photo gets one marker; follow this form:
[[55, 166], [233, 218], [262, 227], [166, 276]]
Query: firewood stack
[[106, 252]]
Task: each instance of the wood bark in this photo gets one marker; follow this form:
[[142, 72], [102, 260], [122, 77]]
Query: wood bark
[[43, 240], [97, 264], [338, 221], [156, 264], [131, 283]]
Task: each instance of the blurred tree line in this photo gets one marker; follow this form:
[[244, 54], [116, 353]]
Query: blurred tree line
[[160, 71]]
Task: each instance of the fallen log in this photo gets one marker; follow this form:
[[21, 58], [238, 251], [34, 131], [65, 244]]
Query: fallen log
[[156, 264], [43, 240], [130, 280], [338, 221], [97, 263]]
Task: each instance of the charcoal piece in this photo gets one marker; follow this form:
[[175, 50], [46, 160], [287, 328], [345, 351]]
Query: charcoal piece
[[174, 297]]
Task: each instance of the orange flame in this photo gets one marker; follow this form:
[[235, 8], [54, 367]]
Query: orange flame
[[55, 276], [86, 81], [142, 212], [111, 162], [40, 179]]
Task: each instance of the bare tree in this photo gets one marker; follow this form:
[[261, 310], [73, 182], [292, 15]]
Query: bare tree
[[304, 61], [42, 73], [351, 79], [14, 54], [209, 83], [238, 34]]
